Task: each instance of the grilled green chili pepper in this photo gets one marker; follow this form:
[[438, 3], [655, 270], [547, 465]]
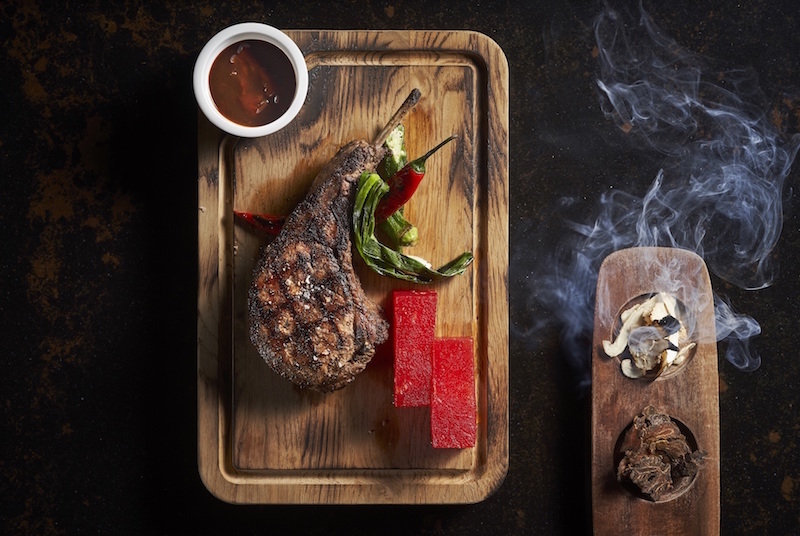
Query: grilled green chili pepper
[[385, 260]]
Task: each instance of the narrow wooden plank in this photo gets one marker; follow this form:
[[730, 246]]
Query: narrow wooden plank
[[690, 395]]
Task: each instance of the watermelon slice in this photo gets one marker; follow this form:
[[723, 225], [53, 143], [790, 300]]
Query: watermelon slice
[[413, 334], [453, 408]]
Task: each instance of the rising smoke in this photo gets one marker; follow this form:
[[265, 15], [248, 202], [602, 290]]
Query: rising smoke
[[720, 191]]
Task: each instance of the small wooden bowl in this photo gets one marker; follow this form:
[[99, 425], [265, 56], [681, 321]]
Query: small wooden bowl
[[690, 395]]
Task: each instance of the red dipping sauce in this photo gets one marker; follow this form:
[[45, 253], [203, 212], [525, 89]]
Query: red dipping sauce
[[252, 82]]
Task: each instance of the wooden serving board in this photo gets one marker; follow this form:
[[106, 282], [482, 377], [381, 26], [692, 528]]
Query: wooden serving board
[[690, 395], [262, 440]]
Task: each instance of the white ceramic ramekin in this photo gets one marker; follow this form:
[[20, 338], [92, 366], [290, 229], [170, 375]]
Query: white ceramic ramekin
[[234, 34]]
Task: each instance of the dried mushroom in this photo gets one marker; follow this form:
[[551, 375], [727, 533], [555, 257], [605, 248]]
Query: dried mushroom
[[653, 337], [657, 458]]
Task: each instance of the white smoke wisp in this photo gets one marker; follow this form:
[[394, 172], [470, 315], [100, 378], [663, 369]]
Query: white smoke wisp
[[720, 191]]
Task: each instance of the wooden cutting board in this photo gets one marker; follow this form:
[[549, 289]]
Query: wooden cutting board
[[689, 395], [260, 439]]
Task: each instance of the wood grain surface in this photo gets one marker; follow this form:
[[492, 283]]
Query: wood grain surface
[[262, 440], [689, 395]]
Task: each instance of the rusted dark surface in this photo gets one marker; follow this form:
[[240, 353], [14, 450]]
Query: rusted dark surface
[[98, 156]]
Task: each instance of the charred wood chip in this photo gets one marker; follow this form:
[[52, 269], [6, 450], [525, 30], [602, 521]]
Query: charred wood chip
[[657, 455]]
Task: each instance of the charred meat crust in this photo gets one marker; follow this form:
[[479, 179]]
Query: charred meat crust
[[310, 319]]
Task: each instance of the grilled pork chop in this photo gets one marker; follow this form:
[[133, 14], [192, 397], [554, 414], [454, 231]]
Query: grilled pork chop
[[310, 319]]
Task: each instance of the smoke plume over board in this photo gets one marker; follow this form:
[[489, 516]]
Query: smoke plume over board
[[719, 192]]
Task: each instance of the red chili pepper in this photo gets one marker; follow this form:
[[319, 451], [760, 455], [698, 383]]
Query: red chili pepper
[[263, 222], [403, 184]]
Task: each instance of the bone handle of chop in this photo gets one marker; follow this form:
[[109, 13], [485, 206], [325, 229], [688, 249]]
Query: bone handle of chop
[[397, 118]]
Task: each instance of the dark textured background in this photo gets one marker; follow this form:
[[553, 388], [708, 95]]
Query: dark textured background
[[98, 159]]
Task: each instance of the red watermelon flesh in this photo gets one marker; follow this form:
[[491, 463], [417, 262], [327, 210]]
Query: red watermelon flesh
[[453, 408], [413, 331]]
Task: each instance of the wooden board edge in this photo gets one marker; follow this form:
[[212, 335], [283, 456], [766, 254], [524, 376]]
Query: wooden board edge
[[207, 311], [498, 328]]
